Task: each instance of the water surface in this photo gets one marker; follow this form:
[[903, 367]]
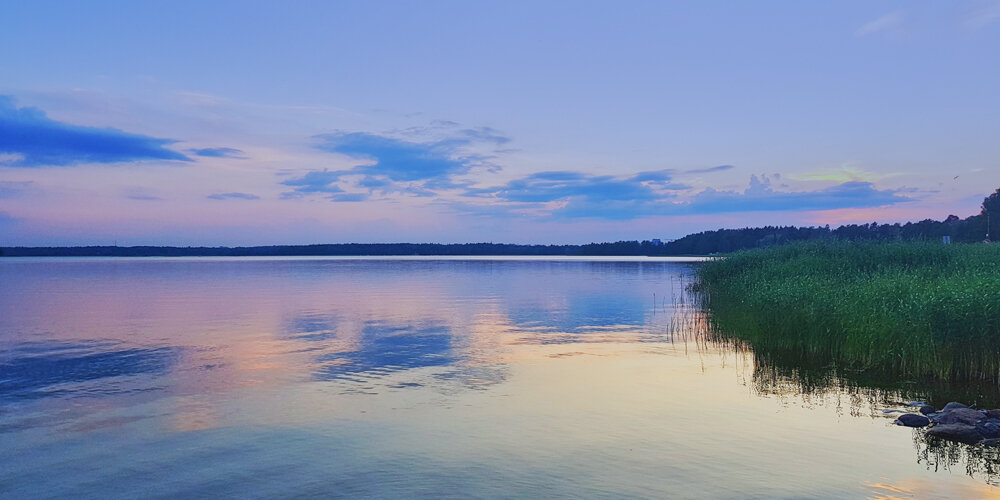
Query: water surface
[[264, 377]]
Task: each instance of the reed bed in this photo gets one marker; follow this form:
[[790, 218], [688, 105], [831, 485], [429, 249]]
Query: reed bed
[[908, 309]]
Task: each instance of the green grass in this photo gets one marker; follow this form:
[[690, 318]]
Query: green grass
[[906, 309]]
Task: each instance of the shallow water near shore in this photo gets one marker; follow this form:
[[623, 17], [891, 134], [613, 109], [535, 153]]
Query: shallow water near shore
[[263, 378]]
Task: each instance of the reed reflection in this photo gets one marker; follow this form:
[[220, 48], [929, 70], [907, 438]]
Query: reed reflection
[[596, 372], [812, 378]]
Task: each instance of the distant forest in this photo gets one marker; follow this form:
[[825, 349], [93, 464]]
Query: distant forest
[[971, 229]]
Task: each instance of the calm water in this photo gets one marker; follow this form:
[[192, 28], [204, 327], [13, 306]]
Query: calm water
[[264, 378]]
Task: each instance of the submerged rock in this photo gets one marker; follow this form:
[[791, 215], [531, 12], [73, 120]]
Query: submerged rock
[[913, 420], [958, 415], [927, 409], [953, 406], [962, 433], [993, 414]]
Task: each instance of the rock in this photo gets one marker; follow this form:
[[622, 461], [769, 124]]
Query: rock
[[993, 414], [953, 406], [927, 409], [915, 403], [913, 420], [956, 432], [963, 415], [990, 442], [989, 429]]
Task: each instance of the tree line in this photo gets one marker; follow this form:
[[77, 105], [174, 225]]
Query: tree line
[[971, 229]]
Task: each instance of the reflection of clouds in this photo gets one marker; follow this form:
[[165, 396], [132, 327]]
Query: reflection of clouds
[[46, 369], [385, 348], [312, 328], [263, 325]]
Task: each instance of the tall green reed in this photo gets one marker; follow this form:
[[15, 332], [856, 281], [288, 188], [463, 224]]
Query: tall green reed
[[908, 309]]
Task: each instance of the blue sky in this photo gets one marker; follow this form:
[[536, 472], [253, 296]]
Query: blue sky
[[260, 123]]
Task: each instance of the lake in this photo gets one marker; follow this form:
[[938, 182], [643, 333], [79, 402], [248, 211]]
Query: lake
[[419, 377]]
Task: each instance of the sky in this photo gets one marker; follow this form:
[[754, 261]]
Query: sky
[[254, 123]]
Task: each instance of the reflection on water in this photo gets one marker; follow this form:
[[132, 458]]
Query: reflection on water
[[975, 461], [46, 369], [320, 377], [383, 349]]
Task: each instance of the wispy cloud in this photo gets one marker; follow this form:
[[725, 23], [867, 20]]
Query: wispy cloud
[[219, 153], [576, 195], [761, 197], [564, 185], [987, 13], [28, 138], [319, 181], [395, 159], [572, 195], [233, 196], [887, 23], [846, 173], [388, 164], [720, 168]]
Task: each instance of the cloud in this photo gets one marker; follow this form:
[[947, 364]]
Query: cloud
[[761, 197], [219, 153], [348, 197], [317, 181], [570, 195], [395, 159], [720, 168], [563, 185], [845, 173], [388, 164], [144, 197], [887, 23], [988, 13], [13, 189], [577, 195], [233, 196], [485, 134], [28, 138]]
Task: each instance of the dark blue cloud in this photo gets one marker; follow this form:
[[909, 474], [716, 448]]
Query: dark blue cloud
[[233, 196], [324, 182], [393, 165], [317, 181], [218, 152], [35, 140], [395, 159]]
